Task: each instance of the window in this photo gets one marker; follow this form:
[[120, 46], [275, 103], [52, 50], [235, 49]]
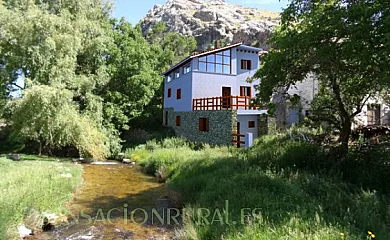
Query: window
[[187, 69], [166, 117], [245, 91], [219, 62], [203, 124], [169, 78], [178, 121], [176, 74], [178, 93], [246, 64], [169, 92], [251, 124]]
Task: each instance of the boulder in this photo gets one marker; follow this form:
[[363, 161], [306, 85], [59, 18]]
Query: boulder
[[128, 161], [206, 15], [49, 221], [14, 157], [24, 232]]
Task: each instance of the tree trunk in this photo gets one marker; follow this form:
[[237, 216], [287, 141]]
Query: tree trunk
[[345, 133], [345, 124], [40, 148]]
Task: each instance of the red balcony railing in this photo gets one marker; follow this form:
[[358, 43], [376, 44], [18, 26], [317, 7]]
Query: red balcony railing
[[237, 139], [222, 103]]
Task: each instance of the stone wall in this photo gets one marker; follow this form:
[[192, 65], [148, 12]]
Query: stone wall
[[266, 124], [221, 125]]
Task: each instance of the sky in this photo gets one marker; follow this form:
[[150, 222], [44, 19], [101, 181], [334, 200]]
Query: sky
[[134, 10]]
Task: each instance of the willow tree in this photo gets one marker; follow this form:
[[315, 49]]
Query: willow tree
[[61, 44], [345, 43], [49, 116]]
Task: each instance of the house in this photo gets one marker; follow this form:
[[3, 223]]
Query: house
[[375, 112], [207, 97]]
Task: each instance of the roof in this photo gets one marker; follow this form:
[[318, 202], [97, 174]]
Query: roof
[[199, 54]]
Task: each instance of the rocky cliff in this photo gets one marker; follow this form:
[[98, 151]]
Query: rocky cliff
[[213, 20]]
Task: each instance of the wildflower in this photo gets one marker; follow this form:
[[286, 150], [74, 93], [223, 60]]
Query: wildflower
[[342, 234], [369, 233], [373, 235]]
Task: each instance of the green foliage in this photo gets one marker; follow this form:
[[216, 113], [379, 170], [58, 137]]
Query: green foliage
[[111, 71], [55, 44], [49, 116], [301, 190], [342, 43], [173, 45], [134, 77], [29, 187]]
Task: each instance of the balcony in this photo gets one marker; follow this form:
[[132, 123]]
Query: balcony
[[223, 103]]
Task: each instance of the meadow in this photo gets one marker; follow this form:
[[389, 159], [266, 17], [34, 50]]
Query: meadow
[[301, 190], [31, 187]]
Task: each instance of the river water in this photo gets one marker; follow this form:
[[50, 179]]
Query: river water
[[114, 202]]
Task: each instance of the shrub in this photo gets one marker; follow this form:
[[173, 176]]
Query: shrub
[[175, 142]]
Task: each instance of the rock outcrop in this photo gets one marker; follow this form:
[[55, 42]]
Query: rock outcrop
[[213, 20]]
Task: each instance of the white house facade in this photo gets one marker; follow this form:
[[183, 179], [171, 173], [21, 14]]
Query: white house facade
[[211, 92]]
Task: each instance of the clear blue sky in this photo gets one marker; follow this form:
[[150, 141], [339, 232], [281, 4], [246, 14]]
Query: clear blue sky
[[134, 10]]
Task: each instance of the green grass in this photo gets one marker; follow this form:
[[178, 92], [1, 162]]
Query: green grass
[[33, 186], [302, 190]]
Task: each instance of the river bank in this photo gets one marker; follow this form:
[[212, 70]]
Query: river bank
[[32, 186], [94, 201]]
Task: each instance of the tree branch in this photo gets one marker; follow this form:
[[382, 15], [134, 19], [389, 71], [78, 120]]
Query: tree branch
[[360, 107], [16, 85]]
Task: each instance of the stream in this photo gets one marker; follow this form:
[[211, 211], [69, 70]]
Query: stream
[[112, 204]]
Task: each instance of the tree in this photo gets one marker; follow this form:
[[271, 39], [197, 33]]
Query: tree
[[49, 116], [62, 44], [170, 48], [134, 79], [343, 42], [135, 63]]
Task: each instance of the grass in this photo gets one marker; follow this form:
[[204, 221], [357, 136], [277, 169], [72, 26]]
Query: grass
[[301, 190], [31, 187]]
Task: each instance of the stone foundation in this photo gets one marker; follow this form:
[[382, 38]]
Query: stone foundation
[[221, 125]]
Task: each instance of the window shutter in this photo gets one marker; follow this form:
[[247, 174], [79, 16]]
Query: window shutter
[[242, 64], [178, 121], [249, 92], [178, 93], [249, 65], [203, 124], [169, 92]]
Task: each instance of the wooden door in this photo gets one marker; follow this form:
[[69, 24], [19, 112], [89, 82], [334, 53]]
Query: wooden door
[[226, 100]]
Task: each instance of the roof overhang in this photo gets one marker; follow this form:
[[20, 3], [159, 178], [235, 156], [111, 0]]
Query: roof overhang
[[249, 48], [200, 54]]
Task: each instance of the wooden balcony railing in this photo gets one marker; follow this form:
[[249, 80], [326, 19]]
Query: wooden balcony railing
[[222, 103]]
